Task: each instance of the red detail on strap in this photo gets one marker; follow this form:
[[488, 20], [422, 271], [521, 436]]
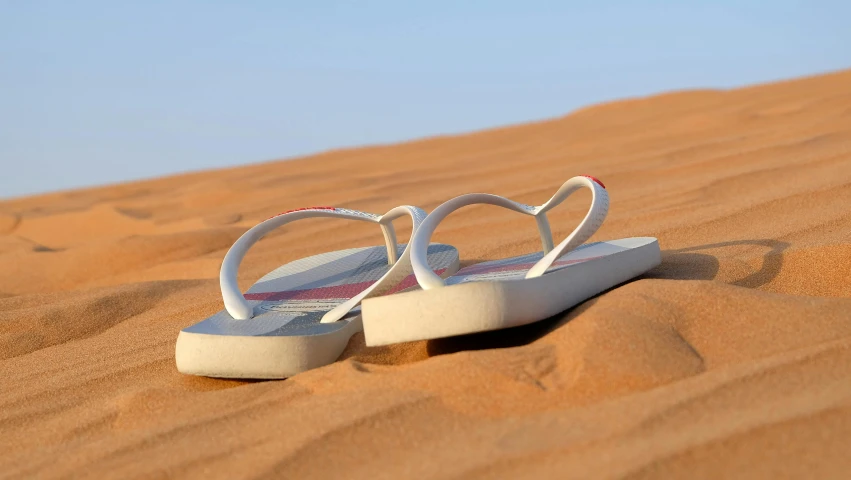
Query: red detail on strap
[[302, 209], [596, 180], [309, 208]]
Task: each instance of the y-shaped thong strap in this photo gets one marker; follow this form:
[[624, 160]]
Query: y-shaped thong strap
[[590, 224], [241, 309]]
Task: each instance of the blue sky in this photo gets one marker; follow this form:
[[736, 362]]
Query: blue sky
[[102, 91]]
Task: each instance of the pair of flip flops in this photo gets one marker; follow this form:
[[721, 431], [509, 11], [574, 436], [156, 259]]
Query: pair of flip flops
[[302, 314]]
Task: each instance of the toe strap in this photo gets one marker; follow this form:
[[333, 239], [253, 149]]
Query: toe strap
[[589, 225], [236, 304]]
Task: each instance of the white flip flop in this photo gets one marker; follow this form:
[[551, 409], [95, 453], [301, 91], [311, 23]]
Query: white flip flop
[[512, 291], [302, 314]]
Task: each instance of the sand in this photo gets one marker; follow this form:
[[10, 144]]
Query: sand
[[733, 358]]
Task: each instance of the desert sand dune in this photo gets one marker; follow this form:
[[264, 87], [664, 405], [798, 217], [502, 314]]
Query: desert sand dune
[[732, 358]]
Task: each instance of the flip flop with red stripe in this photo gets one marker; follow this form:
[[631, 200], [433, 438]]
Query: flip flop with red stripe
[[512, 291], [302, 314]]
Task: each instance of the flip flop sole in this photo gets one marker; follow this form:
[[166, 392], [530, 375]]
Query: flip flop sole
[[285, 335], [495, 295]]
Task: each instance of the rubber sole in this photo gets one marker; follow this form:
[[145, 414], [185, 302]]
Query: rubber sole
[[231, 356], [222, 347], [479, 306]]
